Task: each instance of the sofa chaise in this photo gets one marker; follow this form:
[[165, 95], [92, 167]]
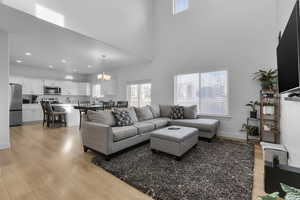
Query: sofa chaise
[[100, 133]]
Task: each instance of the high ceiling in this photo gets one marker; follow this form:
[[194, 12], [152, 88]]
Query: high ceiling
[[49, 44]]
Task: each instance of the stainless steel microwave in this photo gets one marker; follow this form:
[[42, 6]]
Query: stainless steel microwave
[[52, 90]]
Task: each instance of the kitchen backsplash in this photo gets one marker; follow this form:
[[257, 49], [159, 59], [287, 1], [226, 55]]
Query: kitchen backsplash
[[32, 99]]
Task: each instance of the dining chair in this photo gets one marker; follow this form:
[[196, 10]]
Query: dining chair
[[122, 104], [55, 116], [45, 113], [82, 111]]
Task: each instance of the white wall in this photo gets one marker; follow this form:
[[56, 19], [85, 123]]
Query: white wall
[[4, 67], [35, 72], [236, 35], [290, 111], [123, 24]]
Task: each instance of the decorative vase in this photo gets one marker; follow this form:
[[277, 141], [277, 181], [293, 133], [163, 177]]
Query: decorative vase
[[253, 114], [268, 110]]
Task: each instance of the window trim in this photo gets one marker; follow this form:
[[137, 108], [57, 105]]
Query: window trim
[[178, 12], [228, 114], [140, 82]]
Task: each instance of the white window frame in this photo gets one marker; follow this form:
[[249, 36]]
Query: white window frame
[[227, 115], [139, 83], [175, 12], [96, 95]]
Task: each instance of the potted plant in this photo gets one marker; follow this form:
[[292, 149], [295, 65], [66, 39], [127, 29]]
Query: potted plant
[[252, 105], [291, 194], [268, 109], [251, 130], [266, 77]]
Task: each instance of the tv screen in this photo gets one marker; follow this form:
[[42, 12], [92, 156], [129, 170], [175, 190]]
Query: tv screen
[[288, 54]]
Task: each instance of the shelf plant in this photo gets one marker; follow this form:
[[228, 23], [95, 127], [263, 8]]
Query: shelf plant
[[251, 130], [291, 194], [252, 105], [267, 78]]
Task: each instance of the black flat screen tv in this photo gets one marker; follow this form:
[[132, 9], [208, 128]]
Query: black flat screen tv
[[288, 55]]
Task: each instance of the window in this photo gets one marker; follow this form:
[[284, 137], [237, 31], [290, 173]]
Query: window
[[139, 94], [209, 91], [49, 15], [180, 6], [96, 91]]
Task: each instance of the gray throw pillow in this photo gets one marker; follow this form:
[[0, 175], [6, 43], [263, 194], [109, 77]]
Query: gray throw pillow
[[190, 112], [155, 111], [102, 117], [122, 117], [131, 112], [165, 110], [144, 113]]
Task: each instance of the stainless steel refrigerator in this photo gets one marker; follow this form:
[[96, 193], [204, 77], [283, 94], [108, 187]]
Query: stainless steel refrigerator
[[15, 104]]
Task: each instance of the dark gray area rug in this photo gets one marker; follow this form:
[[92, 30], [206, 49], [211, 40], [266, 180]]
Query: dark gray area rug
[[221, 170]]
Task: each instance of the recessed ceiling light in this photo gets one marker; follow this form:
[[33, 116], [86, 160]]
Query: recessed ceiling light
[[63, 61], [19, 61], [90, 66], [28, 54], [69, 77], [51, 66]]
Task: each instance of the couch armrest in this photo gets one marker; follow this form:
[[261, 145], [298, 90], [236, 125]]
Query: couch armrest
[[97, 136]]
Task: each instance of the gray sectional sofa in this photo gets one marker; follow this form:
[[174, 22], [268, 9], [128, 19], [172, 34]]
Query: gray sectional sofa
[[100, 133]]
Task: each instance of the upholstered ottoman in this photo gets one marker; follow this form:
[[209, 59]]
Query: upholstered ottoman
[[174, 140]]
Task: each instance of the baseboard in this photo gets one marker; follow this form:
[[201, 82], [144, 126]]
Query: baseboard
[[232, 139], [231, 136]]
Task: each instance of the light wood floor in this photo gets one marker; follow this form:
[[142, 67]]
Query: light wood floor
[[49, 164]]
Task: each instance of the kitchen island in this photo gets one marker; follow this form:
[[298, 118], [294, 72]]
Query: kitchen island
[[73, 117]]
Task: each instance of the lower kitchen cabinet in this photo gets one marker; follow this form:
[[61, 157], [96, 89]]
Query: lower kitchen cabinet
[[32, 112]]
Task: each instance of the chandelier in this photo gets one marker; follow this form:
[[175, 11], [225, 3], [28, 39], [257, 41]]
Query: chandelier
[[103, 76]]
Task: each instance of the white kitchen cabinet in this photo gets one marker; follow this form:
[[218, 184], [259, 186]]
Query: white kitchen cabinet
[[16, 79], [32, 112], [53, 83], [84, 89], [32, 86], [69, 88]]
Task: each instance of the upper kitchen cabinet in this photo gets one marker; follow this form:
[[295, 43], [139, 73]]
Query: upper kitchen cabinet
[[53, 83], [84, 89], [16, 79], [69, 88]]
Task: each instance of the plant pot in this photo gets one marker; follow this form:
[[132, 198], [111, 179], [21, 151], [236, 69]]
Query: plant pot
[[254, 131], [266, 85], [253, 114], [268, 110]]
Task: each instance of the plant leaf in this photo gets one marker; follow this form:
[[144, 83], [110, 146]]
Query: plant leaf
[[289, 189], [273, 196]]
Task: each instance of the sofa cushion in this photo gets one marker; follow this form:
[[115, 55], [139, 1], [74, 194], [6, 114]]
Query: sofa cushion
[[201, 124], [144, 113], [190, 112], [144, 127], [102, 117], [131, 112], [177, 112], [122, 118], [159, 122], [165, 110], [155, 111], [121, 133]]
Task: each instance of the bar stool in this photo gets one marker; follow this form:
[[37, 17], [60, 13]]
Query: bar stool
[[55, 116]]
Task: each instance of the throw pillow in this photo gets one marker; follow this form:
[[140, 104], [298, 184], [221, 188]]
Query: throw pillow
[[122, 117], [155, 111], [144, 113], [131, 112], [102, 117], [190, 112], [165, 110], [177, 112]]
